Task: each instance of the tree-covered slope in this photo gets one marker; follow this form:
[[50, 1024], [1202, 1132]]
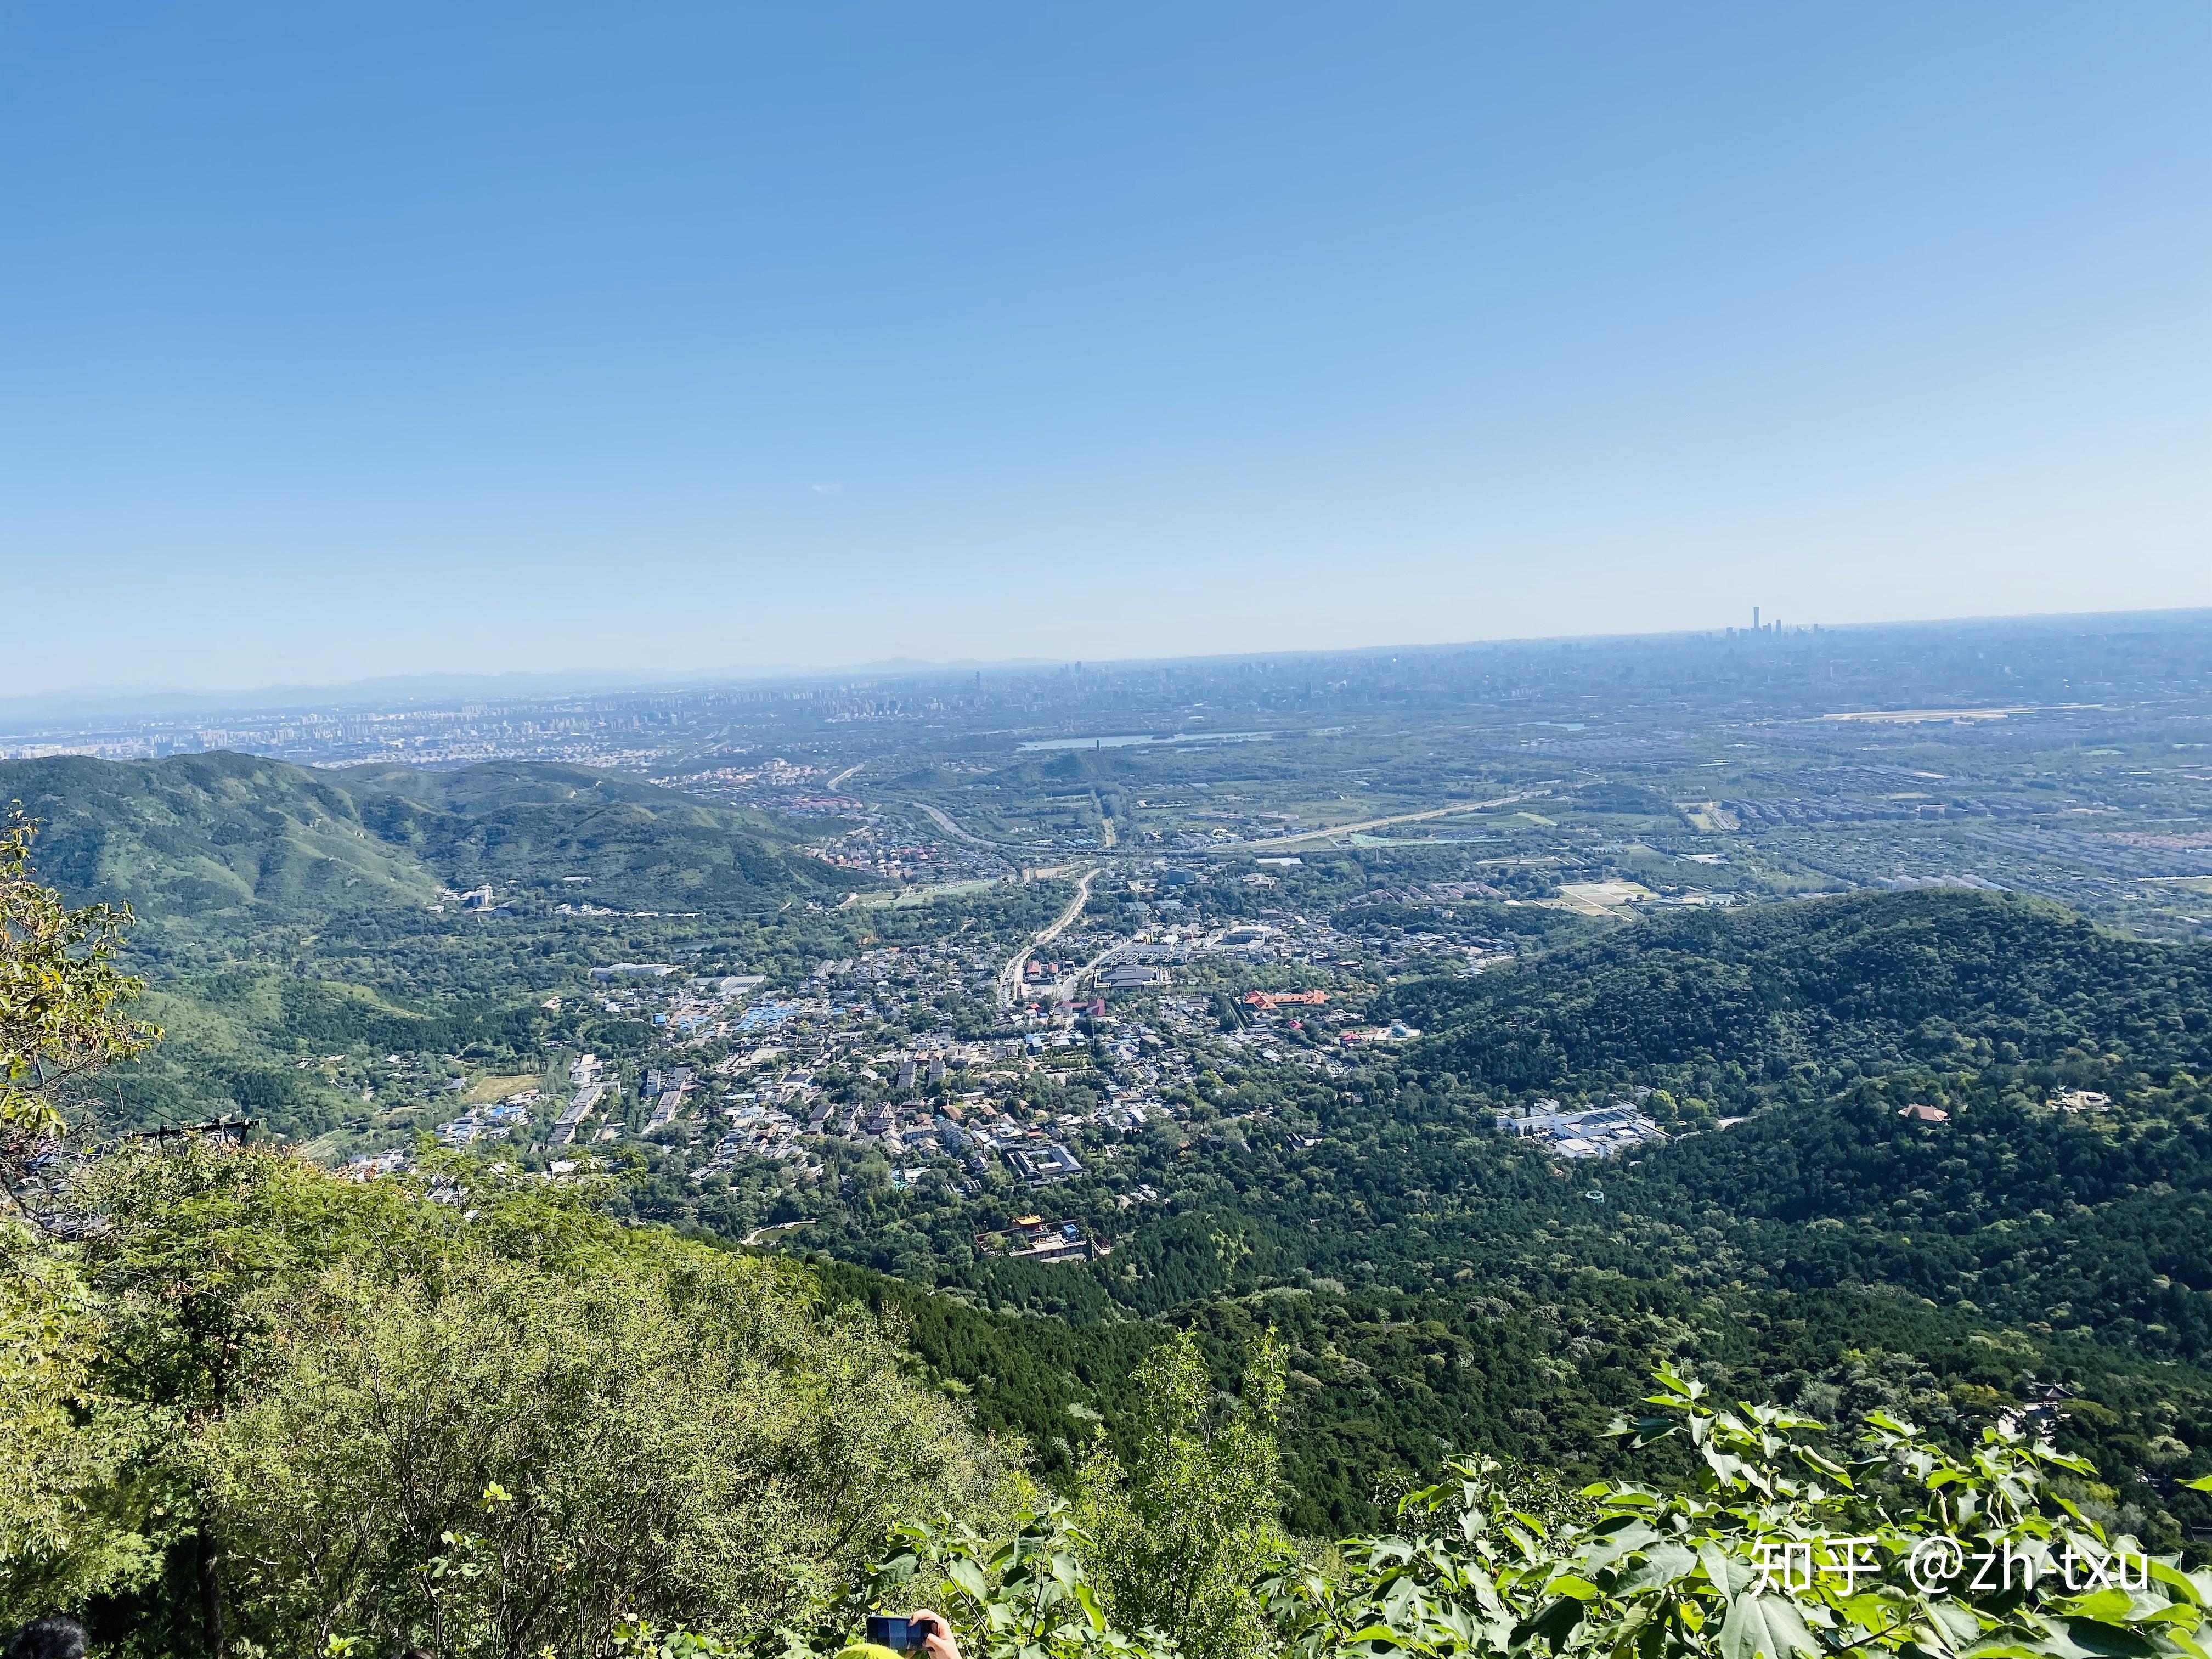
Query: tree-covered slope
[[2099, 1224], [1866, 982], [221, 845], [209, 843], [665, 853], [494, 784]]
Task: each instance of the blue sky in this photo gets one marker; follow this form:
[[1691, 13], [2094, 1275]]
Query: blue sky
[[337, 342]]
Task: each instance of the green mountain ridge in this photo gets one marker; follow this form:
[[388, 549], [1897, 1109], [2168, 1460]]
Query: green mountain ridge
[[1869, 980], [198, 844], [212, 847], [507, 783]]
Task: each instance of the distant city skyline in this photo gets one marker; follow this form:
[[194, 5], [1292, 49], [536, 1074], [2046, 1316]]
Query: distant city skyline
[[158, 702], [695, 341]]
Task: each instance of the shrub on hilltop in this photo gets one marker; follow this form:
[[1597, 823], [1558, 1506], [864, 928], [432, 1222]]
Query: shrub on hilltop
[[479, 1417]]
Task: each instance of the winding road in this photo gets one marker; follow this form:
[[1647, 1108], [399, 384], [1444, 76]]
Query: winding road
[[1010, 976]]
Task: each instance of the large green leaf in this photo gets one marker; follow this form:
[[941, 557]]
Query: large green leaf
[[1765, 1628], [1554, 1624], [1663, 1563]]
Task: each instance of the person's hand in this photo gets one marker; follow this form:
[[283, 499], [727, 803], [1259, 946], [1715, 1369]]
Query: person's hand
[[940, 1643]]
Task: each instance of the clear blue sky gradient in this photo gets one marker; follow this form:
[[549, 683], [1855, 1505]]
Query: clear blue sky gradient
[[385, 339]]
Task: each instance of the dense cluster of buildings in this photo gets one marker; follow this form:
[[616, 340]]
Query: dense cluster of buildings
[[859, 1052], [1604, 1131]]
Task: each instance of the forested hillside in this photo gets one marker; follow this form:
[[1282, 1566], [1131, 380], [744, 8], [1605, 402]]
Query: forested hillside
[[1730, 1006], [269, 1410], [2101, 1225], [219, 853], [206, 847], [535, 824]]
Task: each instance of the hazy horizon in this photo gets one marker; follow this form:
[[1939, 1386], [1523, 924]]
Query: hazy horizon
[[94, 702]]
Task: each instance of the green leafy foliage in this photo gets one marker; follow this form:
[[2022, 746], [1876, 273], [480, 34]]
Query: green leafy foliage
[[72, 1523], [1775, 1550], [1766, 1547], [480, 1415], [1027, 1595], [676, 1436], [1179, 1530], [63, 999]]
